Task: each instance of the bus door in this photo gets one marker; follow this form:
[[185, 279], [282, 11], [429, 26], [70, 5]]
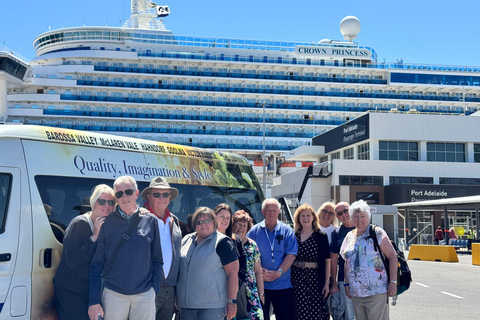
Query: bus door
[[13, 274]]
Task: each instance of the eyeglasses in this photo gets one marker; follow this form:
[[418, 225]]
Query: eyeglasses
[[159, 194], [340, 213], [200, 222], [330, 213], [128, 192], [103, 201]]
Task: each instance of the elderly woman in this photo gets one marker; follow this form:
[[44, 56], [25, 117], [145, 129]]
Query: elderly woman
[[208, 282], [255, 294], [311, 268], [79, 245], [366, 278], [223, 215], [328, 220]]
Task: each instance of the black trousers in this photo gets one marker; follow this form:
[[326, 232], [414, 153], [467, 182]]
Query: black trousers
[[282, 301], [71, 305]]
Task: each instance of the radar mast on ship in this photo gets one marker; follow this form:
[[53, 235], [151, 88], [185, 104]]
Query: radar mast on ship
[[144, 15]]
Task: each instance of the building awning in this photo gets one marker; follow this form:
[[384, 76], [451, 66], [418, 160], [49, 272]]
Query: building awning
[[305, 153], [460, 203]]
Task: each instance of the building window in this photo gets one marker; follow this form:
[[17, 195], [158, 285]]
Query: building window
[[445, 152], [398, 150], [361, 180], [460, 181], [363, 151], [324, 159], [411, 180], [336, 155], [476, 152], [348, 154]]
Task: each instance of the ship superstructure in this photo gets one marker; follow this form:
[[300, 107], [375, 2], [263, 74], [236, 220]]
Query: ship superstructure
[[142, 80]]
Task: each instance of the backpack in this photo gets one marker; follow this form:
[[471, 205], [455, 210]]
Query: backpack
[[404, 275]]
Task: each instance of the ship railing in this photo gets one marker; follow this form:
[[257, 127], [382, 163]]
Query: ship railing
[[4, 48]]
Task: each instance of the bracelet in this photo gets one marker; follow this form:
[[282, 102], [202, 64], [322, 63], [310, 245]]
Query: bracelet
[[393, 281], [346, 284]]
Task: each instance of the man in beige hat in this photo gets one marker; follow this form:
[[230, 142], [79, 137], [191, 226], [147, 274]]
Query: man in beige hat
[[159, 194]]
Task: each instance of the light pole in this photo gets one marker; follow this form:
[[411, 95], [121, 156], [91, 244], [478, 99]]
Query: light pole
[[263, 156]]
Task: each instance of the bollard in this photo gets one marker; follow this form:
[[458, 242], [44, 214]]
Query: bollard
[[432, 253], [476, 254]]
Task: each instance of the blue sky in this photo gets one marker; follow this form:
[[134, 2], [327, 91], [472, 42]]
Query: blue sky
[[421, 31]]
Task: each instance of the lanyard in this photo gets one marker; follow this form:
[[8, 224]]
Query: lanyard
[[270, 243]]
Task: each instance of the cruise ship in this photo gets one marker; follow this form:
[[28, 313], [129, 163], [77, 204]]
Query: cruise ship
[[252, 97]]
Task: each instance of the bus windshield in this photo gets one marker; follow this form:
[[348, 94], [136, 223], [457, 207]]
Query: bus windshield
[[62, 197]]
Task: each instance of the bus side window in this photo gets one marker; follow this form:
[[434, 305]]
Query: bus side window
[[58, 228]]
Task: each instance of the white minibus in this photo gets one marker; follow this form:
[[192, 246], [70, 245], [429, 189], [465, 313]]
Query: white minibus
[[45, 173]]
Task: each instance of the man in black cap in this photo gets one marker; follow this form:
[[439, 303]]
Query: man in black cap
[[159, 194]]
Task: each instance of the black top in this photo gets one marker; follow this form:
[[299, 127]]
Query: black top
[[323, 253], [226, 251], [78, 251], [337, 240]]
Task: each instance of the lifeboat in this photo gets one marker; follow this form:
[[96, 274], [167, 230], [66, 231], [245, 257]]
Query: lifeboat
[[258, 166]]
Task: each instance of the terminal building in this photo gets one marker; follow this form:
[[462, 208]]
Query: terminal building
[[391, 158]]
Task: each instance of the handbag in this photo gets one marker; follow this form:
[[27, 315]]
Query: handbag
[[113, 257]]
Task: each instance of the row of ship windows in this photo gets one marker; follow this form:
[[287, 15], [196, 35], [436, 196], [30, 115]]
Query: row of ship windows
[[180, 115], [189, 112], [205, 129], [214, 71], [378, 180], [268, 89], [237, 73], [250, 102], [120, 81], [164, 39]]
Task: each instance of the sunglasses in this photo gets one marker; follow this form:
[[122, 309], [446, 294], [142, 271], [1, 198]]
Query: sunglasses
[[330, 213], [158, 194], [340, 213], [207, 221], [128, 192], [103, 201]]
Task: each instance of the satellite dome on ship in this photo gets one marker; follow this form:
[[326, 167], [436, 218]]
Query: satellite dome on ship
[[350, 27]]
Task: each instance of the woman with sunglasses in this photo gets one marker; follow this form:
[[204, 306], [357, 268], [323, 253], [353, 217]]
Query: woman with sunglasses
[[327, 218], [72, 278], [208, 282]]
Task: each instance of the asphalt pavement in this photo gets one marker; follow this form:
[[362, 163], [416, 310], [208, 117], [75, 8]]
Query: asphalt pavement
[[440, 290]]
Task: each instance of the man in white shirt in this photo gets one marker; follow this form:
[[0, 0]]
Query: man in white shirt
[[159, 194]]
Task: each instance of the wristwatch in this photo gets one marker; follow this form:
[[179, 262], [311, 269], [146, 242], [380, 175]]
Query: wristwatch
[[232, 301], [280, 270]]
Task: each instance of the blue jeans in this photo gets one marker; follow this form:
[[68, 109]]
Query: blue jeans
[[348, 315]]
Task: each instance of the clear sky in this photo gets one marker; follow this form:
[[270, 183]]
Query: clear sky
[[420, 31]]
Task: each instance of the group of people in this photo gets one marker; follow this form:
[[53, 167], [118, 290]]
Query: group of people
[[123, 261]]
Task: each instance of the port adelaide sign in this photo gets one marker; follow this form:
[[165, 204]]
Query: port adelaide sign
[[349, 133]]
